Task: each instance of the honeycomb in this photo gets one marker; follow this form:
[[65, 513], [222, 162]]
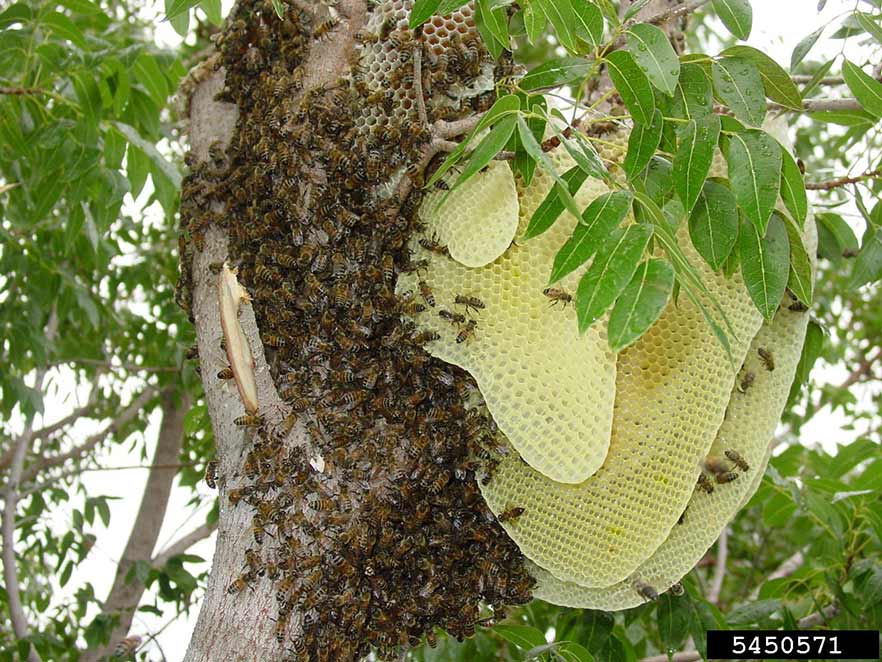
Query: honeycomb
[[549, 389], [491, 198], [388, 74], [750, 423]]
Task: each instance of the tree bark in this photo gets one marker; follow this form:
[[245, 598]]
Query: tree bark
[[125, 593]]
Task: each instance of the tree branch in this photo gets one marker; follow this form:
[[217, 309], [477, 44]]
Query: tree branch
[[183, 544], [10, 501], [110, 365], [821, 105], [21, 91], [672, 14], [863, 369], [125, 594], [125, 416], [844, 181], [713, 594]]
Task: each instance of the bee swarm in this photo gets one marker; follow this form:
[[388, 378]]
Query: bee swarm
[[392, 539]]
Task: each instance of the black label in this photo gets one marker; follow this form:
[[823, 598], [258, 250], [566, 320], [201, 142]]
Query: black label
[[793, 644]]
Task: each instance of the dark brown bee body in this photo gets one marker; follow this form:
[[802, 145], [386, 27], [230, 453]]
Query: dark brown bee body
[[558, 295], [470, 303], [226, 373], [737, 460], [211, 474], [705, 483], [726, 477], [746, 382], [510, 514], [453, 318], [466, 332], [426, 293], [767, 358], [647, 592]]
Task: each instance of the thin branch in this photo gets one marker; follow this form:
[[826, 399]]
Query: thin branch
[[821, 105], [790, 565], [125, 416], [713, 594], [183, 544], [673, 13], [10, 501], [49, 430], [21, 91], [131, 367], [53, 482], [828, 80], [844, 181], [418, 84], [863, 369]]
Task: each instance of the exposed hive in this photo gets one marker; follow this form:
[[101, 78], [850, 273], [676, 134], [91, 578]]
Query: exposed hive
[[549, 389], [749, 426]]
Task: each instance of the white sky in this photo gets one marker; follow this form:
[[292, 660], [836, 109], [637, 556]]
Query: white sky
[[778, 26]]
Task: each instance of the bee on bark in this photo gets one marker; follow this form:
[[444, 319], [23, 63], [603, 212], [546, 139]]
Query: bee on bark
[[558, 295], [470, 303], [737, 460], [240, 583], [211, 474], [236, 495], [226, 373], [767, 358], [248, 420]]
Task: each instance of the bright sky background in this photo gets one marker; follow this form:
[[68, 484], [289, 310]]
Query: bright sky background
[[778, 26]]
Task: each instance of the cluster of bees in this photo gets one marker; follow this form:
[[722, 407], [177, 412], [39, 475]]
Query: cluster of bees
[[391, 539]]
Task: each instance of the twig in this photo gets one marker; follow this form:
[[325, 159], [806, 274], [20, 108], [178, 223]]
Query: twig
[[844, 181], [21, 91], [862, 370], [820, 105], [131, 367], [787, 568], [183, 544], [10, 501], [418, 84], [828, 80], [124, 418], [53, 482], [713, 594], [673, 13], [443, 129]]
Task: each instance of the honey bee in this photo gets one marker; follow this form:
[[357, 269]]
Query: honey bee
[[558, 295], [323, 28], [273, 340], [388, 267], [767, 358], [466, 332], [677, 589], [453, 318], [426, 293], [366, 37], [647, 592], [254, 562], [215, 267], [425, 337], [746, 381], [226, 373], [236, 495], [240, 583], [281, 628], [470, 303], [192, 352], [510, 514], [736, 458], [211, 474], [412, 308], [705, 484], [248, 420], [433, 246], [798, 307], [726, 477]]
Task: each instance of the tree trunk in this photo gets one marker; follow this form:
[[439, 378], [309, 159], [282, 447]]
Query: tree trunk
[[358, 521]]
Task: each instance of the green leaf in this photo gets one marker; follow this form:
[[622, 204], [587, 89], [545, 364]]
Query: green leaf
[[803, 47], [844, 243], [674, 620], [488, 148], [866, 89], [845, 117], [561, 15], [523, 164], [279, 7], [149, 74], [736, 15], [213, 11], [658, 179], [504, 106], [600, 218], [754, 159], [811, 350], [641, 303], [871, 24], [632, 85], [522, 636], [868, 264], [793, 188], [753, 612], [589, 22], [168, 169], [765, 264], [817, 77], [570, 651], [692, 162], [654, 54], [609, 273], [693, 98], [552, 206], [739, 84], [64, 28], [585, 156], [777, 83], [496, 21], [713, 224], [88, 96], [642, 143], [534, 22], [555, 72], [421, 11], [800, 281], [174, 8], [534, 149]]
